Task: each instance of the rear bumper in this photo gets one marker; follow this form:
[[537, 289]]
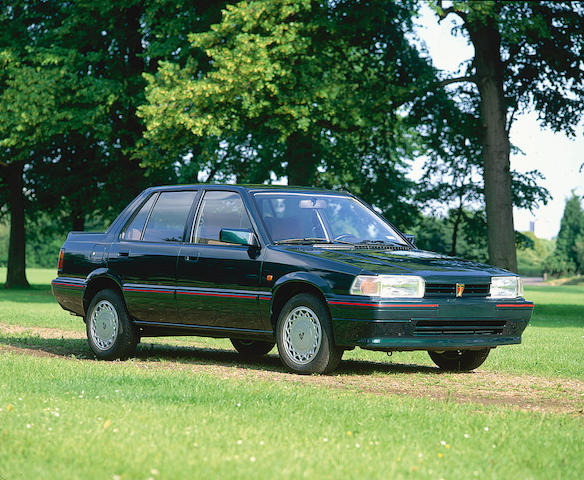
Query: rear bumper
[[436, 324], [69, 291]]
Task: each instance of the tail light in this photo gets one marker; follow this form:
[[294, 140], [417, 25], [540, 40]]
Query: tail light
[[60, 263]]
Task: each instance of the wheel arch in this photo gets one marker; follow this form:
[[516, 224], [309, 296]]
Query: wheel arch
[[291, 285], [100, 280]]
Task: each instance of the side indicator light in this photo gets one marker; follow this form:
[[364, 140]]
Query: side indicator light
[[269, 278]]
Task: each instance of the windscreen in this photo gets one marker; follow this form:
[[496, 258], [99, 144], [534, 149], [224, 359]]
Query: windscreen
[[328, 218]]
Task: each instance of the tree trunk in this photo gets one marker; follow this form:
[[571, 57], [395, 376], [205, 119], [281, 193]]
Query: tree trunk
[[495, 137], [16, 275], [301, 159], [455, 228]]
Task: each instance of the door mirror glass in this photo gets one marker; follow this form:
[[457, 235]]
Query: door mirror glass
[[238, 236]]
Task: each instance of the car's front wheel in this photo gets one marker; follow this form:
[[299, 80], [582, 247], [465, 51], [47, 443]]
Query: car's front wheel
[[459, 360], [252, 348], [304, 336], [110, 332]]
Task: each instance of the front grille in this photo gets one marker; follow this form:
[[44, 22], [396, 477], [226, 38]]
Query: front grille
[[449, 290], [458, 327]]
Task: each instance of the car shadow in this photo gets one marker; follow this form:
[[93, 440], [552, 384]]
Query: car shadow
[[189, 355]]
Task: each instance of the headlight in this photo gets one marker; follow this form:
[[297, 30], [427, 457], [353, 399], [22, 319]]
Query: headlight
[[388, 286], [506, 287]]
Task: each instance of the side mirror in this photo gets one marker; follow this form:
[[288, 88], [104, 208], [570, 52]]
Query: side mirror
[[410, 238], [239, 236]]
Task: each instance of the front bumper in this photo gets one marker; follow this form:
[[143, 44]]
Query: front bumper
[[428, 324]]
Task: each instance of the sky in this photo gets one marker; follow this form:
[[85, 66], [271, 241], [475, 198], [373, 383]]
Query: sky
[[556, 156]]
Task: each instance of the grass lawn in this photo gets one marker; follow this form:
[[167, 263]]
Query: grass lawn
[[69, 417]]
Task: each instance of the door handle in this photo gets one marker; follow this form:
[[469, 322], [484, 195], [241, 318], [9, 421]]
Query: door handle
[[192, 258], [123, 253]]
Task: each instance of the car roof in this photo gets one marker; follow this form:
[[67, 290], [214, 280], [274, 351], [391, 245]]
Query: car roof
[[249, 188]]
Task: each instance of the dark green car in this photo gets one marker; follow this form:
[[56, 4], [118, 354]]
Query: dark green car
[[317, 272]]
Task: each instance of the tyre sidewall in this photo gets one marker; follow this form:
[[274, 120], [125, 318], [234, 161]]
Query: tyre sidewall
[[252, 348], [126, 339], [466, 361], [325, 359]]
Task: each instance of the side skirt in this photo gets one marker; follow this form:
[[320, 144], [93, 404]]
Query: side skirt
[[154, 329]]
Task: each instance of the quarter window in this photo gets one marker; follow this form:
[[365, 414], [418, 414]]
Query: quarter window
[[168, 217], [220, 210], [134, 230]]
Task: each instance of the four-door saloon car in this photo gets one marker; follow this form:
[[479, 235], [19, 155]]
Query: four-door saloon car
[[317, 272]]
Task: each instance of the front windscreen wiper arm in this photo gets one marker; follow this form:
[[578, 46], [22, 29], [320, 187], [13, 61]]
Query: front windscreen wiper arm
[[300, 241], [381, 242], [311, 241]]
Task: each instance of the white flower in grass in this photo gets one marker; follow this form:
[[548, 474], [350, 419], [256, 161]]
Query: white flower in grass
[[252, 459], [239, 442], [466, 435], [486, 429]]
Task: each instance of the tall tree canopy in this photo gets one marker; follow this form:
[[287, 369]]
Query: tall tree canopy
[[527, 55], [310, 90], [71, 80]]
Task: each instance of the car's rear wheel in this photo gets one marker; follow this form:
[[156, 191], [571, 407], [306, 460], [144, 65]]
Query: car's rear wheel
[[252, 348], [304, 336], [459, 360], [110, 332]]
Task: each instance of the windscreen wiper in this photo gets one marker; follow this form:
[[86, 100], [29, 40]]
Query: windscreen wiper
[[381, 242], [311, 241]]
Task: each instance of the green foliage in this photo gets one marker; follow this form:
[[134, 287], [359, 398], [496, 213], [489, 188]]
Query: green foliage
[[305, 89], [4, 234], [541, 45], [568, 256], [530, 257], [436, 234], [527, 56]]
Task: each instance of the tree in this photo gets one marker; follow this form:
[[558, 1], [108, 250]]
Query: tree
[[452, 180], [71, 81], [310, 90], [527, 55], [568, 257], [29, 111]]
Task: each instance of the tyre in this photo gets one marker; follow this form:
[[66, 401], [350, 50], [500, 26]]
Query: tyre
[[110, 333], [460, 360], [304, 336], [252, 348]]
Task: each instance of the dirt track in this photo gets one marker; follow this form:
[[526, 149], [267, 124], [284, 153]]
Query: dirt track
[[525, 392]]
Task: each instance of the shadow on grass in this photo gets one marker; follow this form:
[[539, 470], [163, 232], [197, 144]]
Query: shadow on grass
[[150, 352]]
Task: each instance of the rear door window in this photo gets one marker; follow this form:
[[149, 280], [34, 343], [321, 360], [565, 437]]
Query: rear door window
[[168, 218]]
